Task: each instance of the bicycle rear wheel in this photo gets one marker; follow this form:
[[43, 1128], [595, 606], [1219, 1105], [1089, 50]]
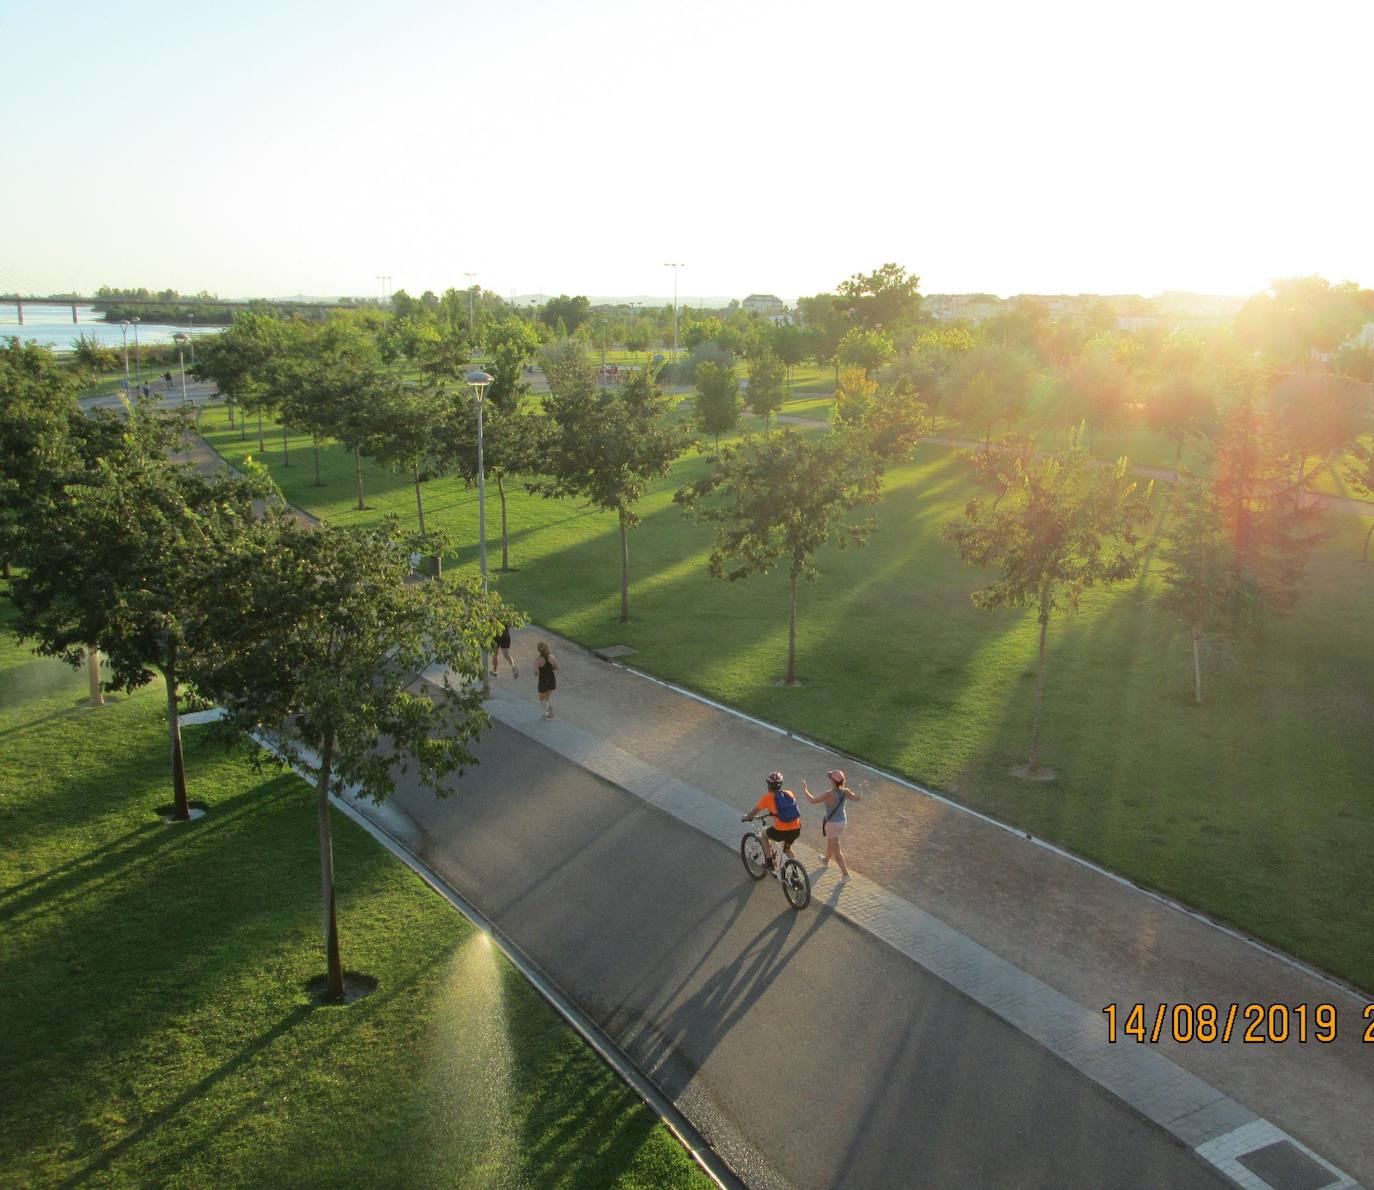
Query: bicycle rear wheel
[[751, 851], [796, 884]]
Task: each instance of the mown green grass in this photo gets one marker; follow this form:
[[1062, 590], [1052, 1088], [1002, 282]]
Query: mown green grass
[[156, 1027], [1254, 807]]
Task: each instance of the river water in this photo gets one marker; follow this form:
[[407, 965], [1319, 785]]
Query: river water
[[52, 326]]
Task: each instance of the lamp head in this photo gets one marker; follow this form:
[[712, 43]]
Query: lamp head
[[478, 381]]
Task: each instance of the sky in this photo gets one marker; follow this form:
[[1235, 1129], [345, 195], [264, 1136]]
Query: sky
[[267, 149]]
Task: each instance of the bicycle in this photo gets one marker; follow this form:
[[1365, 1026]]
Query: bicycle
[[796, 884]]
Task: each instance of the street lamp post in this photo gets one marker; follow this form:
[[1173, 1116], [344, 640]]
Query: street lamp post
[[193, 340], [674, 266], [124, 330], [603, 351], [138, 353], [478, 382], [181, 340], [472, 327]]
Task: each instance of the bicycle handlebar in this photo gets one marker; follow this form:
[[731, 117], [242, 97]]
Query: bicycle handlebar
[[756, 817]]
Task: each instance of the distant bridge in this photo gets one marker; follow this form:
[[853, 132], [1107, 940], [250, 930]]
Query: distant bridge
[[18, 301]]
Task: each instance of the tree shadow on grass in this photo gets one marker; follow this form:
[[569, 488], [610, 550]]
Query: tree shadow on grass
[[166, 1114]]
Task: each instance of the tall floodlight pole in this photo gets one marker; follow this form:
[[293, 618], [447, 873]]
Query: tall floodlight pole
[[674, 266], [193, 340], [472, 326], [478, 382], [124, 330], [138, 353], [181, 340], [383, 278]]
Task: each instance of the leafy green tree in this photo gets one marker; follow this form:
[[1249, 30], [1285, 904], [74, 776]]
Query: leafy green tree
[[865, 349], [571, 312], [717, 403], [603, 445], [887, 298], [1318, 414], [1182, 405], [36, 410], [1094, 389], [324, 635], [1062, 525], [241, 363], [788, 342], [825, 319], [767, 386], [412, 433], [889, 419], [992, 383], [779, 499], [119, 559], [1300, 315], [1359, 473], [89, 354], [1203, 585]]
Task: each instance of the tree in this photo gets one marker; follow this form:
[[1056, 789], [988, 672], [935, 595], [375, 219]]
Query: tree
[[572, 312], [324, 640], [1182, 405], [889, 419], [991, 383], [1300, 315], [1061, 526], [511, 344], [866, 349], [884, 299], [717, 403], [1359, 472], [117, 560], [1318, 414], [788, 343], [412, 433], [767, 386], [603, 445], [92, 356], [1203, 586], [1094, 390], [779, 499], [240, 361], [36, 410], [824, 320]]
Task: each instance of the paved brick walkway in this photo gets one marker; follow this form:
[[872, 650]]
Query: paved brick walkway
[[1041, 939]]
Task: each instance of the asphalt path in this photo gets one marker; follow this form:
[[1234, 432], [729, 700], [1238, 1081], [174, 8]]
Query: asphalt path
[[808, 1053]]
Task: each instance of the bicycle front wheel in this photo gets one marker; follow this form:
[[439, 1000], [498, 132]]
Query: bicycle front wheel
[[751, 851], [796, 884]]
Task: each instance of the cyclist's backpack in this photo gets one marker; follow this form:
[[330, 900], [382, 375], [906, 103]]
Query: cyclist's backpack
[[786, 803]]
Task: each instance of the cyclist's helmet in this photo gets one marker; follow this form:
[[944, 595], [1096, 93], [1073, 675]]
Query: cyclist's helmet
[[775, 781]]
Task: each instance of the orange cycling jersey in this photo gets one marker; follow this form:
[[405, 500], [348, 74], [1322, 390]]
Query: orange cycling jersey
[[769, 803]]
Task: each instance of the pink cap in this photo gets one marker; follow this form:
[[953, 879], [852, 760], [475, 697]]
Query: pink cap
[[836, 775]]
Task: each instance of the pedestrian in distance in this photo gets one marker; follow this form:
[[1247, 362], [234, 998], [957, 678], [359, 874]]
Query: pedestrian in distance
[[502, 645], [832, 826], [547, 666]]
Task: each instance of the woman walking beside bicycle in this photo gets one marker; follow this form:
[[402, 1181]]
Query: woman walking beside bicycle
[[833, 825]]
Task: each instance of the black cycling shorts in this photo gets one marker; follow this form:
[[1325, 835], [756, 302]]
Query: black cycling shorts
[[785, 837]]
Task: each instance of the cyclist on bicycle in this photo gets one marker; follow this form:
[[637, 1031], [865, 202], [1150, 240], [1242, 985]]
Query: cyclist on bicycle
[[786, 825]]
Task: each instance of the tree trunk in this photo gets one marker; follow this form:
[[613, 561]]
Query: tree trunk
[[285, 450], [182, 812], [1034, 762], [1197, 664], [419, 506], [319, 483], [93, 671], [624, 571], [1364, 557], [243, 424], [505, 535], [791, 678], [262, 445], [335, 989], [6, 567], [358, 476]]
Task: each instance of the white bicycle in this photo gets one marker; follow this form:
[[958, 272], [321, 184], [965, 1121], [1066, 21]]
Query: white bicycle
[[796, 884]]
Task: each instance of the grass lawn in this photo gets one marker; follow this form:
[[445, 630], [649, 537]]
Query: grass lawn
[[156, 1029], [1255, 807]]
